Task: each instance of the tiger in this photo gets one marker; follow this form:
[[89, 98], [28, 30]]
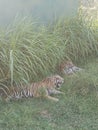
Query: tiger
[[69, 68], [46, 87]]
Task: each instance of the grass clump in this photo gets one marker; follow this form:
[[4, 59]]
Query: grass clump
[[84, 83], [81, 37], [29, 53]]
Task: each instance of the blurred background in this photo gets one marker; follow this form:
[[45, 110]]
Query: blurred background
[[42, 10]]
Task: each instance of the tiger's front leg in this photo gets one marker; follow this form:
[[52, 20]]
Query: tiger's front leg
[[50, 97], [58, 92], [54, 91]]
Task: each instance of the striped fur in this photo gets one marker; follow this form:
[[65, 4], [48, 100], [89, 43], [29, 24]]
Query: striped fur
[[69, 68], [45, 88]]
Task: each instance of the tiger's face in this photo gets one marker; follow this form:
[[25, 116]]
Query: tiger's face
[[68, 64], [58, 81]]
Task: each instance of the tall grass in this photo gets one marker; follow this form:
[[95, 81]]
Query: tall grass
[[29, 53], [81, 37]]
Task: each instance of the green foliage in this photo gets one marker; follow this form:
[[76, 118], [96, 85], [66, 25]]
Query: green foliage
[[84, 83], [81, 37], [29, 53], [77, 109]]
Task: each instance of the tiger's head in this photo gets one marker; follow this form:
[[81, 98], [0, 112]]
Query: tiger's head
[[66, 65], [69, 68], [53, 82], [58, 80]]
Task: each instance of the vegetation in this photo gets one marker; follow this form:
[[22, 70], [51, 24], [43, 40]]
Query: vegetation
[[28, 53], [76, 110]]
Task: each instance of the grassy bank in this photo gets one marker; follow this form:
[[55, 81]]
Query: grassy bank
[[76, 110], [29, 52]]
